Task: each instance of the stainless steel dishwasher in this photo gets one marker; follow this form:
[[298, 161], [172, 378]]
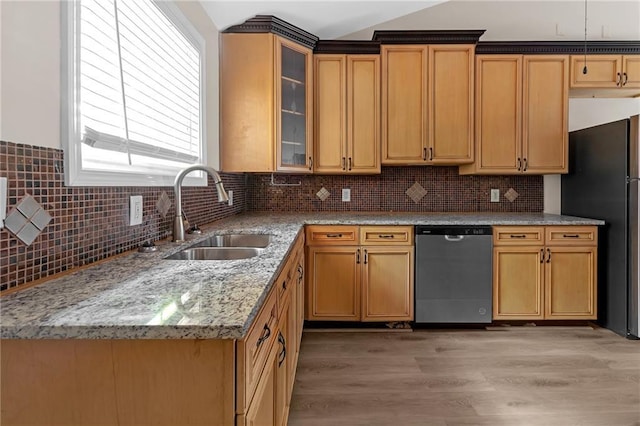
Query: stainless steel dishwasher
[[453, 274]]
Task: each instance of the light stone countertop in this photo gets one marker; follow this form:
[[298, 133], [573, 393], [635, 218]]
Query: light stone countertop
[[144, 296]]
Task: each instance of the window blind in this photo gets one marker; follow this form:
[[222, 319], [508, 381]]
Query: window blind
[[139, 82]]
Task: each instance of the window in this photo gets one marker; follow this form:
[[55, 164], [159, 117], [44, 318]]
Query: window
[[134, 105]]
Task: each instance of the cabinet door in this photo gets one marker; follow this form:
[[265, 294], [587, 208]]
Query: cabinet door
[[517, 282], [631, 71], [602, 71], [330, 114], [294, 116], [387, 284], [291, 358], [300, 298], [450, 104], [333, 283], [262, 411], [570, 283], [498, 113], [280, 365], [363, 114], [545, 110], [404, 100]]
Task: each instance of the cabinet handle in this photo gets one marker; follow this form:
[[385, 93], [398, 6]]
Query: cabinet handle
[[524, 168], [334, 235], [387, 236], [366, 256], [430, 153], [349, 163], [266, 332], [541, 255], [517, 236], [284, 284], [344, 163], [424, 154], [300, 273], [283, 353], [624, 82], [519, 164], [357, 256], [310, 163], [570, 236], [549, 255], [618, 80]]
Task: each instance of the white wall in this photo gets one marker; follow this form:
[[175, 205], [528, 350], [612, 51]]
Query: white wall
[[585, 113], [30, 75], [30, 72]]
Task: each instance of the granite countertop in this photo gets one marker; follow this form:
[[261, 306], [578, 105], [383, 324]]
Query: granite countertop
[[144, 296]]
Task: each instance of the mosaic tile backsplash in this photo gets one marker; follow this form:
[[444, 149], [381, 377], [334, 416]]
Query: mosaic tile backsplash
[[446, 191], [89, 223]]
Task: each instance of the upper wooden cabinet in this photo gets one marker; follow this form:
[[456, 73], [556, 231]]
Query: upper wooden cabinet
[[427, 104], [607, 76], [265, 104], [521, 114], [347, 114]]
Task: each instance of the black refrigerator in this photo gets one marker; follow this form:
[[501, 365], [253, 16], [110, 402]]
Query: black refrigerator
[[602, 183]]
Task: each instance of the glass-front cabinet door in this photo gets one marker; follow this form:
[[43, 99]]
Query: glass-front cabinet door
[[293, 107]]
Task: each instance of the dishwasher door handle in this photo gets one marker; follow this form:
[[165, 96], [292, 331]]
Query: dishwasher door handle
[[454, 238]]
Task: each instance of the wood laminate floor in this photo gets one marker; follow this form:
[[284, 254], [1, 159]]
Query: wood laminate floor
[[520, 376]]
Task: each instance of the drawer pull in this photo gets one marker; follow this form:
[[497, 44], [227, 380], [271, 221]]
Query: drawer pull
[[517, 236], [570, 236], [284, 284], [266, 332], [387, 236], [334, 235], [283, 353]]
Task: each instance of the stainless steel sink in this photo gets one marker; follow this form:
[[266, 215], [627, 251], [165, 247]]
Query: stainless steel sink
[[215, 253], [236, 240]]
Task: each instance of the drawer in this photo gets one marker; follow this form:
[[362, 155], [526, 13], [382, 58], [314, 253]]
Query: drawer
[[386, 235], [319, 235], [283, 284], [518, 235], [572, 235], [253, 351]]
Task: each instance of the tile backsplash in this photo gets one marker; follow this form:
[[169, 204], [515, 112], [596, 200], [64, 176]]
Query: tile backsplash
[[89, 223], [446, 191]]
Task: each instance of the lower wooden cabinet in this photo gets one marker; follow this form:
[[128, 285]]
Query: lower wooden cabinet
[[550, 278], [333, 275], [371, 281], [387, 284]]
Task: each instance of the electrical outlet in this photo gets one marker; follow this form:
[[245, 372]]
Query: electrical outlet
[[135, 210], [230, 195], [3, 200], [346, 194], [495, 195]]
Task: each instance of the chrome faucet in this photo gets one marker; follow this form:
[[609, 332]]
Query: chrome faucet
[[178, 224]]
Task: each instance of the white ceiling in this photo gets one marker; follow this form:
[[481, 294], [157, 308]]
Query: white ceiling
[[503, 19]]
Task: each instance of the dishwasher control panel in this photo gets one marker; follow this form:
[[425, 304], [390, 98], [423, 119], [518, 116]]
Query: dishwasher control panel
[[453, 230]]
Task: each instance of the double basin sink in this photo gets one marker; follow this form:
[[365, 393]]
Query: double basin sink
[[225, 247]]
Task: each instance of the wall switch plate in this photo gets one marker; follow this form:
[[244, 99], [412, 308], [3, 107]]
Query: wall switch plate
[[230, 195], [3, 200], [346, 194], [495, 195], [135, 210]]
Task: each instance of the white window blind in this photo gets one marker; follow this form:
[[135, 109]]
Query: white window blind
[[138, 78]]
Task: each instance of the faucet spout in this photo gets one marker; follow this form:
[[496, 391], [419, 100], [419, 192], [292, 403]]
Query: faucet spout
[[178, 224]]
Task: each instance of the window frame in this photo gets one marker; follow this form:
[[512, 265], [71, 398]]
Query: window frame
[[70, 131]]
